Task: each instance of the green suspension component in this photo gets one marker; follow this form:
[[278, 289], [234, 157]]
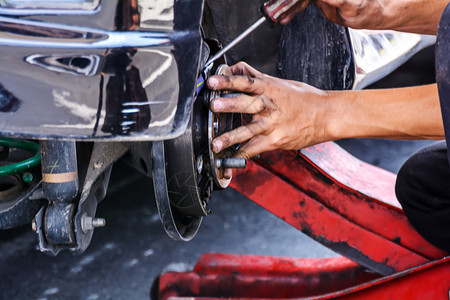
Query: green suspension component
[[24, 165]]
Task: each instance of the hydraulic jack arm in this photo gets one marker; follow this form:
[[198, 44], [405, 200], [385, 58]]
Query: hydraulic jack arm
[[341, 202]]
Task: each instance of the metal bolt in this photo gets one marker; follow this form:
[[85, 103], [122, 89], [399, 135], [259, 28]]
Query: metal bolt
[[27, 177], [231, 163], [98, 222], [89, 223]]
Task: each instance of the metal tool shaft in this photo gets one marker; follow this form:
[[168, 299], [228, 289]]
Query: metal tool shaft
[[236, 40]]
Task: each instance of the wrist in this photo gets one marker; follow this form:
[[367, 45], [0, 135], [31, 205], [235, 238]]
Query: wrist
[[413, 16], [336, 115], [391, 15]]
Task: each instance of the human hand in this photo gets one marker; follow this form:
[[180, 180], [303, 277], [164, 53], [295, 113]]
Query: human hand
[[285, 114], [351, 13], [367, 14], [417, 16]]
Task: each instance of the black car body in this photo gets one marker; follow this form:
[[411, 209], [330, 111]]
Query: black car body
[[98, 70]]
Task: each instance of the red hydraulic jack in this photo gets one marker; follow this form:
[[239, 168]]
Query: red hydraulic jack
[[345, 204]]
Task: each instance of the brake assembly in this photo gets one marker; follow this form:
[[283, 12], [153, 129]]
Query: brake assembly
[[185, 170]]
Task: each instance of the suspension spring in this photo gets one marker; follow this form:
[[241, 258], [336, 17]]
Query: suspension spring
[[21, 166]]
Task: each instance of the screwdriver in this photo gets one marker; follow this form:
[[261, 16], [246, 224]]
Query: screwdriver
[[272, 10]]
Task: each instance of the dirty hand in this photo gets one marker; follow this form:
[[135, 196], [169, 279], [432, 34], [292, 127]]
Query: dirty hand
[[368, 14], [351, 13], [417, 16], [285, 114]]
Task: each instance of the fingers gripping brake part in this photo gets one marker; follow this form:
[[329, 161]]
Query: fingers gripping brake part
[[219, 123]]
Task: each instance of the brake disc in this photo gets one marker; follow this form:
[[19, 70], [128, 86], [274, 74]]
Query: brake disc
[[185, 170]]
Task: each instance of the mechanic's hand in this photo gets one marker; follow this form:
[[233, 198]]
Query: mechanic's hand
[[417, 16], [368, 14], [352, 13], [286, 114]]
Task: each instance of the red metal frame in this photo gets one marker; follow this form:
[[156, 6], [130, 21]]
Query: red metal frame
[[341, 202], [333, 197], [258, 277]]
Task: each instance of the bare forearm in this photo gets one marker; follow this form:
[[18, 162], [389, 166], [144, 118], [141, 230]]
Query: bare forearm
[[293, 115], [406, 113], [418, 16]]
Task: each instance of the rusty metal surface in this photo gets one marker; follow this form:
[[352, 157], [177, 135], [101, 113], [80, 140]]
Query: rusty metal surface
[[306, 192], [235, 276], [323, 224], [256, 277], [348, 187]]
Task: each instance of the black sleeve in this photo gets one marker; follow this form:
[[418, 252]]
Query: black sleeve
[[443, 70]]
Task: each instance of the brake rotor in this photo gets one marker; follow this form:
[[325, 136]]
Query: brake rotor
[[185, 171]]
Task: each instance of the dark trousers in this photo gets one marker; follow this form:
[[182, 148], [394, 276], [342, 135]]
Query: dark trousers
[[423, 189]]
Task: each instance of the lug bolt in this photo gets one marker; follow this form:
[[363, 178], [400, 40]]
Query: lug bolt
[[231, 163], [89, 223]]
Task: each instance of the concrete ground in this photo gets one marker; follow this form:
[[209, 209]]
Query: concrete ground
[[127, 255]]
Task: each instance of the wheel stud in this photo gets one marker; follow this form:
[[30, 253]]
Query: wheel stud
[[231, 163]]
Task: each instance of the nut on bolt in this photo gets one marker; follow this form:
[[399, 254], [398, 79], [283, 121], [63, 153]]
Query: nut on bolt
[[89, 223]]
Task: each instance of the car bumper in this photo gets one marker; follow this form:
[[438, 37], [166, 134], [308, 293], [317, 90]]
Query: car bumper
[[123, 71]]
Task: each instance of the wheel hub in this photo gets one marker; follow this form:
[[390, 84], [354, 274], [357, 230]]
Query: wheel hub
[[186, 171]]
